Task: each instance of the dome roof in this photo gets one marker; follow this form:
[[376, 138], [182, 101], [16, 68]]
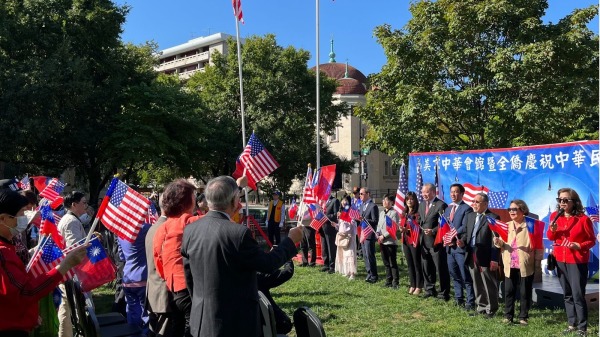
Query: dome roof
[[350, 86], [338, 71]]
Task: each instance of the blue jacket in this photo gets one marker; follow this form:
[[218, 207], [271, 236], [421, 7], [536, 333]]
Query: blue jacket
[[134, 255]]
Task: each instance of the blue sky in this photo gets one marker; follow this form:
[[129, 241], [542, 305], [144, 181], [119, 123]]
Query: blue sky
[[349, 22]]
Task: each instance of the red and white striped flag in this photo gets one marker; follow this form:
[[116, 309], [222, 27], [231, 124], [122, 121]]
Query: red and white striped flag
[[237, 10], [354, 212], [48, 257], [447, 238], [255, 162], [318, 221], [123, 210], [401, 192], [471, 191], [565, 243], [53, 190], [366, 230], [308, 196]]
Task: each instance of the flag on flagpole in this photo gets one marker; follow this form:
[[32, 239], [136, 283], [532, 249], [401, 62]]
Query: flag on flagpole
[[308, 196], [345, 214], [415, 231], [237, 10], [391, 227], [124, 211], [47, 258], [443, 231], [53, 190], [40, 182], [318, 221], [49, 226], [592, 212], [293, 210], [24, 183], [499, 227], [354, 212], [366, 230], [324, 182], [97, 268], [401, 191], [255, 162], [152, 215]]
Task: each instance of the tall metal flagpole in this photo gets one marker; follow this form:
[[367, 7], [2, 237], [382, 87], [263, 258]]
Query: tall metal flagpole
[[239, 56], [318, 93]]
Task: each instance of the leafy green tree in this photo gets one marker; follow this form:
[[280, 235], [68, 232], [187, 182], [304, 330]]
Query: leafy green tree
[[279, 95], [72, 95], [481, 74]]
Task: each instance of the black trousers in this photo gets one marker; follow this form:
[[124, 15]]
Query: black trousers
[[308, 242], [328, 247], [414, 266], [274, 233], [435, 263], [183, 303], [573, 279], [388, 255], [513, 282]]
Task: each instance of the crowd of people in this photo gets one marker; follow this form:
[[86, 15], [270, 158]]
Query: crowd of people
[[476, 259], [195, 272]]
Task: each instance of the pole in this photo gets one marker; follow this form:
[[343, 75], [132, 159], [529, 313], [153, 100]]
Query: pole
[[318, 74], [239, 56]]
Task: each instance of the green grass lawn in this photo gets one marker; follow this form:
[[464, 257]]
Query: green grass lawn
[[356, 308]]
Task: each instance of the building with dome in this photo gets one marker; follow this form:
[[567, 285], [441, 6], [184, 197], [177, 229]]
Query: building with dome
[[381, 176]]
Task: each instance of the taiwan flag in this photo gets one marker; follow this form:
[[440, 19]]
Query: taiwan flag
[[536, 231], [97, 268], [345, 214], [391, 227]]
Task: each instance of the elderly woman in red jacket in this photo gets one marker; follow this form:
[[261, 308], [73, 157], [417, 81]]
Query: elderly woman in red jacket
[[573, 236]]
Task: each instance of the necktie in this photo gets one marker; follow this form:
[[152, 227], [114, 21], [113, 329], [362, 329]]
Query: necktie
[[477, 221], [452, 213], [426, 208]]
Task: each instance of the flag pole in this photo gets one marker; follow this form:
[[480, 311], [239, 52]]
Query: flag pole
[[239, 57], [318, 74]]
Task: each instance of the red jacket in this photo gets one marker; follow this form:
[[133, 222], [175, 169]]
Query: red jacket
[[576, 229], [20, 292], [167, 251]]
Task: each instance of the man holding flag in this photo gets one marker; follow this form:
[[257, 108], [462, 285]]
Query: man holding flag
[[328, 233], [456, 213], [370, 216], [388, 243]]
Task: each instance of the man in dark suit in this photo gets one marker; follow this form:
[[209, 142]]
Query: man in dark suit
[[482, 256], [158, 297], [456, 213], [433, 255], [370, 213], [328, 233], [220, 261]]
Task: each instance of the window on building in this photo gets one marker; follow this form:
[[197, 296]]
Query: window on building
[[335, 137], [386, 168], [395, 170]]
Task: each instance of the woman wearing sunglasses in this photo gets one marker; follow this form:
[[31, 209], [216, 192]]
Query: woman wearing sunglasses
[[573, 236], [518, 260]]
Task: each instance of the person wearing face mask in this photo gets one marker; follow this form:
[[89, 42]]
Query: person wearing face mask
[[573, 236], [20, 291]]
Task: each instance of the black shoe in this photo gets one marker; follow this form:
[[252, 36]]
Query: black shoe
[[331, 271], [387, 285], [304, 264], [442, 297], [370, 280], [324, 269]]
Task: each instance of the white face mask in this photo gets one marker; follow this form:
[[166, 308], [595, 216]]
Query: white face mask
[[22, 222]]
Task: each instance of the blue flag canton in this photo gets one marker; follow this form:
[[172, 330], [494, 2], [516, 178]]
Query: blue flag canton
[[498, 199], [319, 216], [364, 224], [118, 194], [46, 213], [256, 146], [95, 251], [419, 186], [388, 221], [51, 252], [530, 222]]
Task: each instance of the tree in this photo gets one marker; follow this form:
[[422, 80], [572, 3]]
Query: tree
[[279, 95], [482, 74], [74, 96]]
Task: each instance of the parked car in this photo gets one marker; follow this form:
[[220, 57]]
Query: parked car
[[259, 212]]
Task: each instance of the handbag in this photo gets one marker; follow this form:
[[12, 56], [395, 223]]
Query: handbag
[[342, 240], [551, 262]]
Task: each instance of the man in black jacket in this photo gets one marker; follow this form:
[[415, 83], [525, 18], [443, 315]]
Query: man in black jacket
[[328, 232], [370, 214]]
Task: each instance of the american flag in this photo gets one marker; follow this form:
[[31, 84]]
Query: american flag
[[366, 230], [237, 10], [24, 183], [256, 161], [565, 243], [592, 213], [354, 212], [391, 227], [152, 215], [48, 257], [401, 191], [439, 189], [123, 210], [53, 190], [308, 196], [499, 227], [318, 221], [415, 230], [419, 182], [497, 199]]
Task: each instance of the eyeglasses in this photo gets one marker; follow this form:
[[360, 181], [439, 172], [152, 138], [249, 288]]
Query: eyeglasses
[[478, 202], [563, 201], [513, 209]]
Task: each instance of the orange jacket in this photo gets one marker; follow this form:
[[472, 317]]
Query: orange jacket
[[167, 251]]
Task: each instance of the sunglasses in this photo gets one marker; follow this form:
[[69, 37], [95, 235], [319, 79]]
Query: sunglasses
[[513, 209], [563, 201]]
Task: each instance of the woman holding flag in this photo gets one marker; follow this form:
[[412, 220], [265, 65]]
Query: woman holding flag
[[518, 259], [573, 236], [388, 244], [345, 260], [21, 292], [409, 226]]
